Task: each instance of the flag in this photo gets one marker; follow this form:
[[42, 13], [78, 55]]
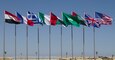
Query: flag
[[79, 19], [92, 21], [74, 14], [69, 19], [65, 20], [25, 20], [11, 18], [104, 19], [60, 22], [34, 18], [53, 19], [44, 18]]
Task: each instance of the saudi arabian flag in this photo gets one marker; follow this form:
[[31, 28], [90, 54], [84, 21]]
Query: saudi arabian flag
[[69, 19], [44, 18], [66, 21]]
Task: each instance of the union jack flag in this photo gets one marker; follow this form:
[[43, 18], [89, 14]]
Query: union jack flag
[[91, 21]]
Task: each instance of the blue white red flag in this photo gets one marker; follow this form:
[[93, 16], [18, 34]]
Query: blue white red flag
[[104, 19], [25, 20], [34, 18], [91, 21]]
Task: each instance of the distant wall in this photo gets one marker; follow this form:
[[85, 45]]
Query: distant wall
[[8, 58]]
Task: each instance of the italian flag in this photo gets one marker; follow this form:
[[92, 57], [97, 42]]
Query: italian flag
[[44, 18]]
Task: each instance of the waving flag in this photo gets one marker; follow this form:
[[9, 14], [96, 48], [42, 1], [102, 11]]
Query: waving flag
[[92, 21], [34, 18], [25, 20], [60, 21], [70, 20], [104, 19], [11, 18], [66, 21], [53, 19], [44, 18], [79, 19]]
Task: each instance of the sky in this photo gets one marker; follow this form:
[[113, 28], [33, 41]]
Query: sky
[[105, 40]]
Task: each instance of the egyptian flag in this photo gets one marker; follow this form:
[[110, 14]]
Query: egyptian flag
[[11, 18]]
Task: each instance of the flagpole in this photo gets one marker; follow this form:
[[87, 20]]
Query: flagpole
[[15, 43], [94, 41], [83, 43], [27, 42], [72, 41], [61, 42], [49, 42], [38, 42], [4, 52]]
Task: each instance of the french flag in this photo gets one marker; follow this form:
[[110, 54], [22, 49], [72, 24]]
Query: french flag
[[25, 20]]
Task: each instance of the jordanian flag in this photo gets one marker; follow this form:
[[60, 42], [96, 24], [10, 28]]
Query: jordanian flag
[[11, 18], [69, 19], [45, 18]]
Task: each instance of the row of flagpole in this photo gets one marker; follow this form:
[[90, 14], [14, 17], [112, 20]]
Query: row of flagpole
[[38, 43], [4, 51]]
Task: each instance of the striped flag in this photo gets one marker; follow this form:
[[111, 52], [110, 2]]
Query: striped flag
[[11, 18], [103, 18], [53, 19], [45, 18], [25, 20], [34, 18]]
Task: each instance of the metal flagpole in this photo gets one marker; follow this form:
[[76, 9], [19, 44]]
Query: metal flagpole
[[83, 43], [38, 42], [15, 43], [94, 41], [72, 41], [27, 42], [4, 52], [61, 42], [49, 42]]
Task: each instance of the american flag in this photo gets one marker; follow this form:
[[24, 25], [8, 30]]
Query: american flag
[[104, 19]]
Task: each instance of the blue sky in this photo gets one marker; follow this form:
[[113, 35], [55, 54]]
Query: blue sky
[[104, 36]]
